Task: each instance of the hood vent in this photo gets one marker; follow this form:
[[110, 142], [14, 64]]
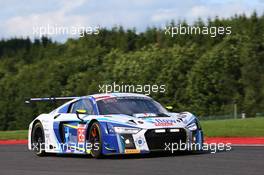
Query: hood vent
[[131, 122]]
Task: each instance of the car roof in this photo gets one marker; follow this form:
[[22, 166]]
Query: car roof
[[98, 97], [108, 95]]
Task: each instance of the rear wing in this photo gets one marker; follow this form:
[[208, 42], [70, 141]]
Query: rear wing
[[49, 99]]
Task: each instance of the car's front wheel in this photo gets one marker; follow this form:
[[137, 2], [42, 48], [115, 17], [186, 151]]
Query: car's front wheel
[[95, 140], [38, 140]]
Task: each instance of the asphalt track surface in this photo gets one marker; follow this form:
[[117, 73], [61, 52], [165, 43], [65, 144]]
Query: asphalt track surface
[[16, 159]]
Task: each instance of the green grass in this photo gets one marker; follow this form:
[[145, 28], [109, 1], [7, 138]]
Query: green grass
[[13, 135], [250, 127]]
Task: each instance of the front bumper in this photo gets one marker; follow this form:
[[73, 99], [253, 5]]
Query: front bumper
[[148, 140]]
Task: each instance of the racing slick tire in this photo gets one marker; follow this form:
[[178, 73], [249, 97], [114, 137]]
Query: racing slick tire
[[38, 140], [95, 140]]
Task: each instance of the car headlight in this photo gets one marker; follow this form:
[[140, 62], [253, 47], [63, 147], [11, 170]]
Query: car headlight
[[126, 130], [192, 126]]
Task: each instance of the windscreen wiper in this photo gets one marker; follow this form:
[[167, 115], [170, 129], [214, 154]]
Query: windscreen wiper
[[162, 115], [150, 116]]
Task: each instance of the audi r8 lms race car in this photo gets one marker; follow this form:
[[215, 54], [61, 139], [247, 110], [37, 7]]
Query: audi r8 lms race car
[[114, 123]]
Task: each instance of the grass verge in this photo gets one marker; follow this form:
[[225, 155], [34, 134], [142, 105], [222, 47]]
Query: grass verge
[[13, 135], [250, 127]]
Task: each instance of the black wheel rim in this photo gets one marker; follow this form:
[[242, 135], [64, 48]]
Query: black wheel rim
[[94, 138], [38, 139], [94, 134]]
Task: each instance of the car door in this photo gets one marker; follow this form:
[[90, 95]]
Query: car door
[[72, 129], [83, 104]]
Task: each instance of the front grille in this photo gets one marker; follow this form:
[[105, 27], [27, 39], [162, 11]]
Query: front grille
[[156, 141]]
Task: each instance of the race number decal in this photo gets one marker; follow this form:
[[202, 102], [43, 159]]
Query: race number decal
[[80, 133]]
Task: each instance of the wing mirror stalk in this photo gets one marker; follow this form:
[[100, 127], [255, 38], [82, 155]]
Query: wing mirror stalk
[[80, 111]]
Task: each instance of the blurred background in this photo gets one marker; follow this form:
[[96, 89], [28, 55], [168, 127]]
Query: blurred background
[[213, 77]]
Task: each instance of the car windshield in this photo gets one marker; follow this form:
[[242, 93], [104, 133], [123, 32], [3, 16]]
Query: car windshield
[[129, 106]]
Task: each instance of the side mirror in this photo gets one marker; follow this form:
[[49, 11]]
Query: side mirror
[[80, 111], [169, 107]]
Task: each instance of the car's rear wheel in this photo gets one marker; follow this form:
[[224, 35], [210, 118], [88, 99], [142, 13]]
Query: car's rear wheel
[[95, 140], [38, 139]]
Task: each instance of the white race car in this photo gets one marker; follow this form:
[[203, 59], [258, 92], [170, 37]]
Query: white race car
[[115, 123]]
